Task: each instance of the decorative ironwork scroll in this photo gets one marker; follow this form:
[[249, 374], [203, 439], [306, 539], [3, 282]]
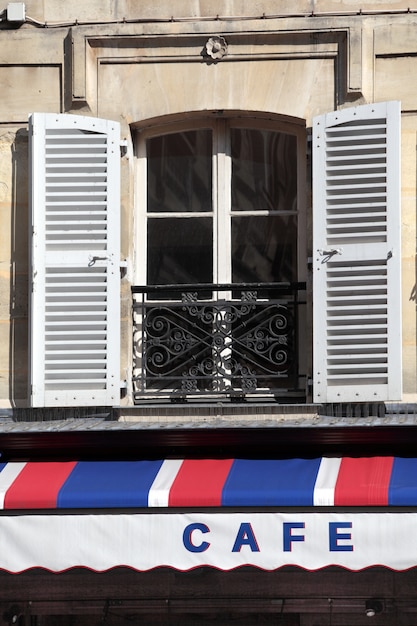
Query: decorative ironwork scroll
[[194, 347]]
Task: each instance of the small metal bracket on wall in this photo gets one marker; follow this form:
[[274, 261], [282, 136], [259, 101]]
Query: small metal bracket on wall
[[123, 147]]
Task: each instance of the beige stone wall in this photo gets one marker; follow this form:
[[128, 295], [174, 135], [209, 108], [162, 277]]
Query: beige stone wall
[[131, 62], [58, 11], [266, 86], [409, 286]]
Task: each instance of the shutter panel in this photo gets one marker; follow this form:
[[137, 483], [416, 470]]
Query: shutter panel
[[357, 254], [75, 304]]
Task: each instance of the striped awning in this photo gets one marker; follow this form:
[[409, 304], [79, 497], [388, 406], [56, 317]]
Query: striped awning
[[106, 514], [376, 481]]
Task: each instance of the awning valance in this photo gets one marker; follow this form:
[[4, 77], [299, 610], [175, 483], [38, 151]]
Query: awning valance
[[221, 539], [376, 481]]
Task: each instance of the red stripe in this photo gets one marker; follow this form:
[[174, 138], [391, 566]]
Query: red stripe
[[199, 483], [37, 486], [363, 482]]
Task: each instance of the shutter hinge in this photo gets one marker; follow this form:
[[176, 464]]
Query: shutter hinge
[[123, 147], [123, 267]]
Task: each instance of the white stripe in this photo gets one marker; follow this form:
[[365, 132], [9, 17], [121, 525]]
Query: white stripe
[[7, 476], [326, 482], [159, 491]]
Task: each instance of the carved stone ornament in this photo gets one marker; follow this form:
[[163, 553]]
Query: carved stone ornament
[[216, 47]]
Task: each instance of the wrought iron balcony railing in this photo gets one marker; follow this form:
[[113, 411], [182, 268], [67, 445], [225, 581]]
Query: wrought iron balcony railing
[[216, 340]]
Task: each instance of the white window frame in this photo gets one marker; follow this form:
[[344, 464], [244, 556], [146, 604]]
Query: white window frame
[[221, 188]]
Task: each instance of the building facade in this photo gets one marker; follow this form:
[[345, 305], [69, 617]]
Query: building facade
[[208, 218]]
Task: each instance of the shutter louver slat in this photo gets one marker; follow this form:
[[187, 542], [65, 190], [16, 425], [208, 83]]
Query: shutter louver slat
[[75, 304], [356, 238]]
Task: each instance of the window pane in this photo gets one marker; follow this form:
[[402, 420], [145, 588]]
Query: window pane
[[179, 172], [264, 249], [180, 250], [264, 170]]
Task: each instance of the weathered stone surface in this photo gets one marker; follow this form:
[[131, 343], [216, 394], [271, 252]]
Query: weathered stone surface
[[267, 86], [135, 62], [56, 11]]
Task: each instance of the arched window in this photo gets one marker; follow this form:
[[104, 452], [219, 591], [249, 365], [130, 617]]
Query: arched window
[[222, 203], [219, 214]]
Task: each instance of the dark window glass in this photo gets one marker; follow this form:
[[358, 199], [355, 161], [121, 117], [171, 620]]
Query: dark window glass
[[264, 249], [179, 172], [264, 170], [180, 250]]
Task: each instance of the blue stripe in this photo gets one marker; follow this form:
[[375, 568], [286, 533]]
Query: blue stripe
[[2, 466], [287, 482], [402, 489], [104, 484]]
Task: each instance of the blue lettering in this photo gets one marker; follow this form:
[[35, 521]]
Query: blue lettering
[[245, 537], [289, 537], [335, 537], [187, 538]]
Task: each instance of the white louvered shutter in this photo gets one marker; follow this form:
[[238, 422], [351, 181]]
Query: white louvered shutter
[[357, 254], [75, 304]]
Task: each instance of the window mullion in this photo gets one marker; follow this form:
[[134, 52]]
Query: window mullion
[[141, 215], [223, 203]]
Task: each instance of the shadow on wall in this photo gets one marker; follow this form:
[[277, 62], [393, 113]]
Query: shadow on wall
[[19, 268]]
